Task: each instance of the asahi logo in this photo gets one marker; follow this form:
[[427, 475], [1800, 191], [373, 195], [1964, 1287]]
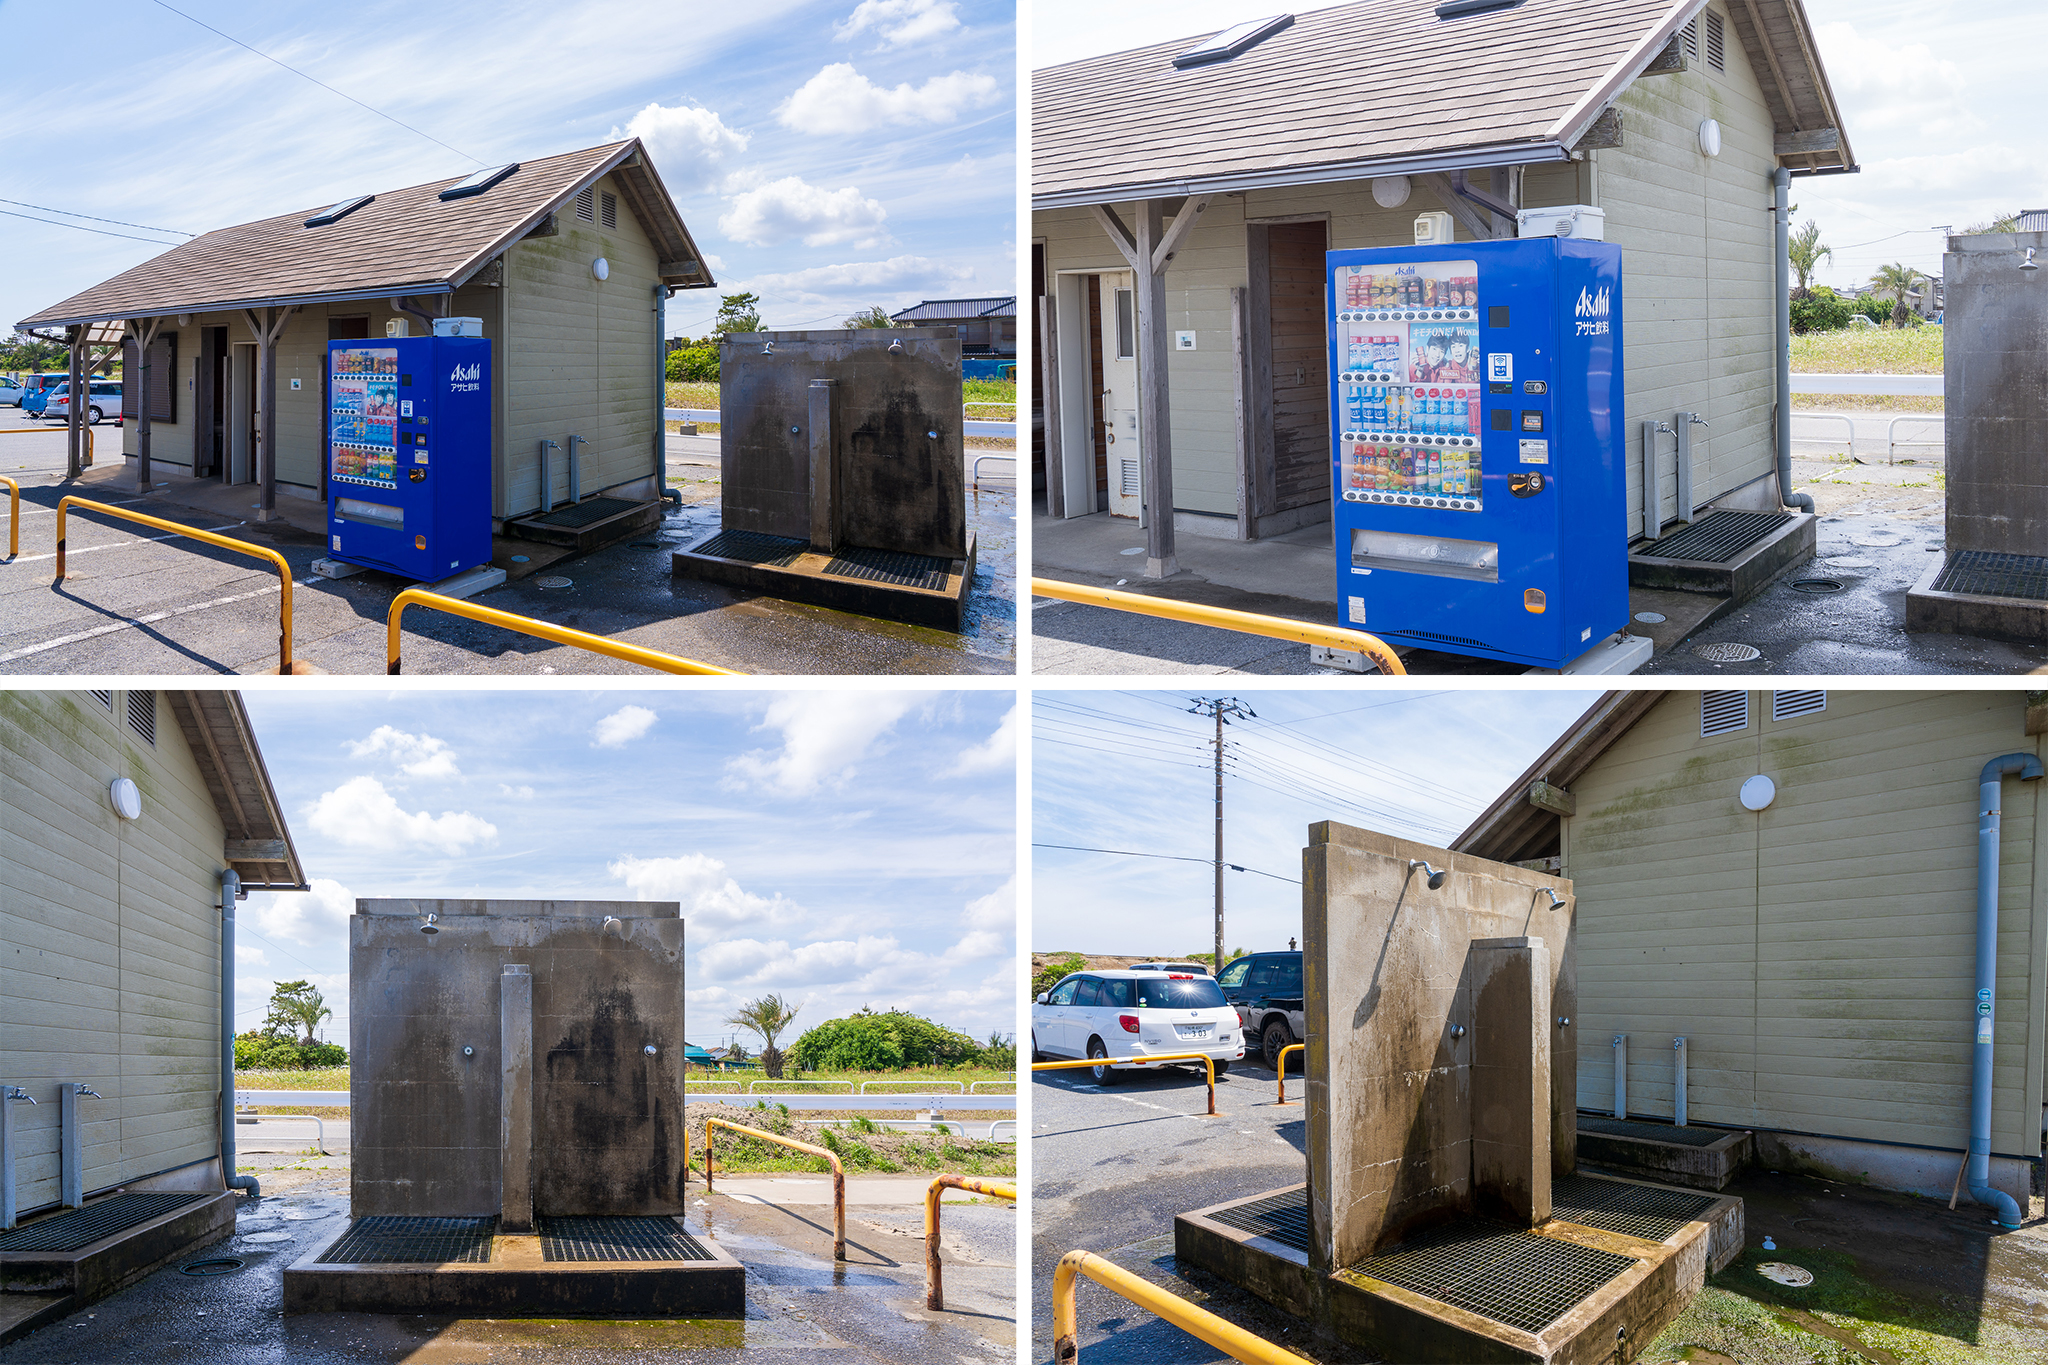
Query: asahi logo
[[463, 372], [1592, 305], [466, 378]]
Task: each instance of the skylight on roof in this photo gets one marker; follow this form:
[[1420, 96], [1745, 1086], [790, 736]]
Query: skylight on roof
[[1454, 9], [1232, 41], [478, 183], [336, 212]]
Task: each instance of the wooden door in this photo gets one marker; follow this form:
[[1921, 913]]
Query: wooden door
[[1297, 340]]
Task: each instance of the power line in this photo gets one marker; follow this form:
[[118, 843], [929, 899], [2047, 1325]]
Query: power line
[[1172, 858], [80, 227], [322, 84], [44, 208]]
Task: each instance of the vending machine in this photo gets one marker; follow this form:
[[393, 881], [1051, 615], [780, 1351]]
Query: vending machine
[[409, 454], [1476, 425]]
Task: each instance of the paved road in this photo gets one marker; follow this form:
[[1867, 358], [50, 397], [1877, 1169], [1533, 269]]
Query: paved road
[[1110, 1169]]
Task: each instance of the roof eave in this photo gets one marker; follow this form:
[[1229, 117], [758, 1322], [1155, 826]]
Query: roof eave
[[1580, 117], [1602, 724], [395, 291]]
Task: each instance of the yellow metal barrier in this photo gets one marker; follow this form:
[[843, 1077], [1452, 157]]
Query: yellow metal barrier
[[14, 523], [284, 570], [1208, 1066], [934, 1289], [1225, 1336], [838, 1173], [1223, 618], [17, 431], [526, 625], [1291, 1047]]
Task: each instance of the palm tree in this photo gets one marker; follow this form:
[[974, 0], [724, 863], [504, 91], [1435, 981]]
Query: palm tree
[[1806, 250], [1898, 280], [767, 1016], [872, 316], [297, 1002]]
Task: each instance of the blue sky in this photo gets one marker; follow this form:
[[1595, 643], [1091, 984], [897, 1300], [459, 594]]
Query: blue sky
[[825, 155], [1930, 91], [1134, 771], [838, 848]]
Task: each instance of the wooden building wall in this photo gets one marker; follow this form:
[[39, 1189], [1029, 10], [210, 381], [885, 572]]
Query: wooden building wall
[[109, 939]]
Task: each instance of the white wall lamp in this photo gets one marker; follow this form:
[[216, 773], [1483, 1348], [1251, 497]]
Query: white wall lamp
[[1710, 137], [126, 798], [601, 269], [1758, 792], [1390, 191]]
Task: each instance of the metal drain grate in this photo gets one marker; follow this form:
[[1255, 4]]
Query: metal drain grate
[[1633, 1210], [580, 514], [1715, 538], [1980, 573], [618, 1239], [1727, 652], [82, 1227], [1283, 1217], [1512, 1277], [1655, 1132], [752, 547], [890, 566], [389, 1240]]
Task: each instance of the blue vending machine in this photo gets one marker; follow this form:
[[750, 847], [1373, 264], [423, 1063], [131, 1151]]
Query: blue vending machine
[[1476, 415], [409, 454]]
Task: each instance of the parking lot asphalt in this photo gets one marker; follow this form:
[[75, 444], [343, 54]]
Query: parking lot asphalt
[[1110, 1169]]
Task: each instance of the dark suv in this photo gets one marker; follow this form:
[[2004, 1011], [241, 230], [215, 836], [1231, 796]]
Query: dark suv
[[1266, 989]]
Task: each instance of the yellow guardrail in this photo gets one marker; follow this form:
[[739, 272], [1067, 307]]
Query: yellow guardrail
[[1208, 1066], [14, 519], [526, 625], [934, 1289], [1223, 618], [838, 1173], [284, 570], [19, 431], [1225, 1336], [1291, 1047]]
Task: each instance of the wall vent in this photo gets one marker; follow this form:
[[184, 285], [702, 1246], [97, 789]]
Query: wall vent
[[1717, 42], [1786, 705], [1690, 36], [142, 715], [105, 699], [586, 205], [1130, 480], [1723, 713], [610, 213]]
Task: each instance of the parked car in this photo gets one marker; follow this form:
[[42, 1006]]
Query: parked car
[[36, 390], [1131, 1013], [1265, 989], [103, 399], [11, 391], [1194, 968]]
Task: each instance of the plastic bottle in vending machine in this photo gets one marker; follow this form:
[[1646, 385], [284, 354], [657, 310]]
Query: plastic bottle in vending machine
[[1457, 424]]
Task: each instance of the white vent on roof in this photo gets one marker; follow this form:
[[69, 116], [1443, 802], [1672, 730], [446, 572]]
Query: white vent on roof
[[610, 214], [1723, 713], [142, 715], [1785, 705], [1717, 42], [586, 205]]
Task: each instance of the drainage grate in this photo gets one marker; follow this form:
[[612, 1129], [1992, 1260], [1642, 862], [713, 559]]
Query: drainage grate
[[889, 566], [1633, 1210], [1981, 573], [577, 515], [751, 547], [82, 1227], [1283, 1217], [1654, 1132], [618, 1239], [1512, 1277], [389, 1240], [1818, 587], [1716, 538], [1723, 652]]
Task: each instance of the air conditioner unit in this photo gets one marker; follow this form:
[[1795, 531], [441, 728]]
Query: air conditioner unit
[[1569, 220]]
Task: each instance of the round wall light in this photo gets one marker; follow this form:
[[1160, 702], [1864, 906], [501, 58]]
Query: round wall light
[[1710, 137], [1390, 191], [600, 269], [126, 798], [1758, 792]]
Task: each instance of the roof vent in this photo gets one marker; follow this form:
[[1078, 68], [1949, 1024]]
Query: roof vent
[[1231, 41], [334, 213], [478, 183], [1458, 9]]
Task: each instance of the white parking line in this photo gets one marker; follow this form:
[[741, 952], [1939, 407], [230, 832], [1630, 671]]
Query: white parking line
[[116, 544], [127, 622]]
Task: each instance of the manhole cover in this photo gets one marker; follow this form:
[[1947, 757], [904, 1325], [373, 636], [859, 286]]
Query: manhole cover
[[266, 1236], [1850, 563], [1728, 653], [218, 1265], [1876, 541], [300, 1215], [646, 545], [1785, 1273], [1650, 618], [1817, 586], [552, 580], [1138, 551], [519, 559]]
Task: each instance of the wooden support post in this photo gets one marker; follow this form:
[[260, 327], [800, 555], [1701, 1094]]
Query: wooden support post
[[1155, 436], [1241, 371], [145, 330], [268, 398], [73, 441]]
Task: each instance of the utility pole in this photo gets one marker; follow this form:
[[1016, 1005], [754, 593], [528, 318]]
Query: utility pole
[[1222, 708]]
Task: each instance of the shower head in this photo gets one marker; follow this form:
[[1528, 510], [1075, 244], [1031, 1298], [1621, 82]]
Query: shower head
[[428, 925], [1555, 899], [615, 927], [1436, 875]]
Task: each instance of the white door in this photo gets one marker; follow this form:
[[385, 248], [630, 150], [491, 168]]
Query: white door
[[241, 419], [1119, 399]]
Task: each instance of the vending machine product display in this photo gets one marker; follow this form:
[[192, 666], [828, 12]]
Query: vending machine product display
[[1476, 420], [409, 454]]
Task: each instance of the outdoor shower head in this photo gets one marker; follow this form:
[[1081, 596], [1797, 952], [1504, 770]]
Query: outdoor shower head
[[428, 925], [1555, 899], [614, 926], [1436, 876], [2028, 264]]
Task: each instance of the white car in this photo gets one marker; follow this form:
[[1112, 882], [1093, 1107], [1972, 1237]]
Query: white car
[[1135, 1014], [11, 391], [104, 396], [1192, 968]]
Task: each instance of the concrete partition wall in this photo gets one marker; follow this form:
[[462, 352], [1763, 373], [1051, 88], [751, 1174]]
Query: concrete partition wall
[[1409, 1122], [429, 1034], [1995, 359]]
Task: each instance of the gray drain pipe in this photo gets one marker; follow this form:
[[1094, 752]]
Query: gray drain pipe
[[2027, 768], [230, 892], [1781, 182]]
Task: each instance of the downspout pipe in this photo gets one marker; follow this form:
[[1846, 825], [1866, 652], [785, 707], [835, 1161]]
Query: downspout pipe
[[2027, 768], [1781, 214], [662, 294], [230, 892]]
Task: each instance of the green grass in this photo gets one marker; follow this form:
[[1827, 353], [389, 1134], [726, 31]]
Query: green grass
[[1857, 350], [905, 1082], [319, 1078], [980, 395]]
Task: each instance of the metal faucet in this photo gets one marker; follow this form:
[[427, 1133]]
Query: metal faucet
[[1696, 419], [82, 1088], [15, 1092]]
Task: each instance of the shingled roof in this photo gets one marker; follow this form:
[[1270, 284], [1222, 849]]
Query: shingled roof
[[1386, 87], [946, 310], [404, 242]]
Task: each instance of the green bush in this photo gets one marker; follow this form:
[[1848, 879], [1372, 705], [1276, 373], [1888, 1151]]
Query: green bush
[[1056, 966], [1819, 309], [693, 363], [1877, 308], [869, 1041], [260, 1051]]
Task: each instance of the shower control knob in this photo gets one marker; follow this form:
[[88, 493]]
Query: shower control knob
[[1457, 1030], [469, 1052], [1564, 1021], [649, 1049]]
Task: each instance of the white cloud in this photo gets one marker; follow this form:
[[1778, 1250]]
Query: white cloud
[[711, 899], [246, 956], [621, 727], [362, 814], [899, 23], [824, 734], [992, 927], [319, 916], [520, 793], [999, 750], [839, 100], [415, 755], [790, 207], [914, 274], [689, 144]]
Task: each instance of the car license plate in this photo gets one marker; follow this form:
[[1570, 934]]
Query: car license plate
[[1194, 1031]]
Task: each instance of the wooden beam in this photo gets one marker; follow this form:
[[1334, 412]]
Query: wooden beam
[[1557, 800], [254, 851], [1440, 185], [1462, 186], [1604, 132], [1155, 422], [1761, 40], [1807, 140], [145, 337], [676, 268], [1668, 62], [1183, 223], [1119, 234]]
